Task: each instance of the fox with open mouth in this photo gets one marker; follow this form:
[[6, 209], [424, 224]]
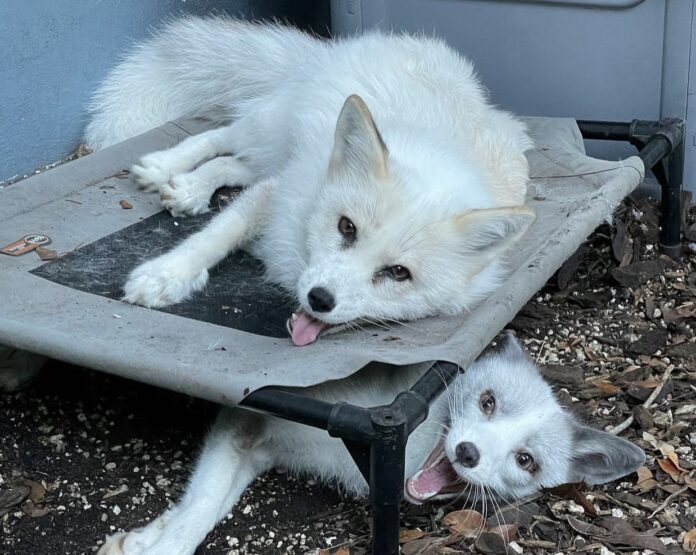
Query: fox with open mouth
[[498, 430], [380, 183]]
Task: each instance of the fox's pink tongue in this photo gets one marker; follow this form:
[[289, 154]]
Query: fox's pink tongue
[[430, 481], [304, 329]]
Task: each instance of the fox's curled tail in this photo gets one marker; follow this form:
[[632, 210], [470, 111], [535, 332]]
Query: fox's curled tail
[[192, 66]]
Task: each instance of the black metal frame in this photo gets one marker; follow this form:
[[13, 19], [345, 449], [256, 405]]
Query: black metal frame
[[376, 437]]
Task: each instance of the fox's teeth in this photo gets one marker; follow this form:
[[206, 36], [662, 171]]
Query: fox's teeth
[[294, 316]]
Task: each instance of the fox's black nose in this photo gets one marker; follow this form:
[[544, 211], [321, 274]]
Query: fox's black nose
[[467, 454], [321, 300]]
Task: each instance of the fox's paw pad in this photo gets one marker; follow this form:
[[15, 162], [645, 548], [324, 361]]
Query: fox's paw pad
[[114, 545], [152, 172], [162, 281], [185, 195]]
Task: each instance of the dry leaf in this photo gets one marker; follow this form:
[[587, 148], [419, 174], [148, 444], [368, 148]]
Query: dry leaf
[[410, 535], [606, 387], [466, 523], [490, 544], [125, 204], [422, 546], [506, 531], [123, 174], [46, 254], [690, 541], [37, 492], [645, 482], [674, 471], [338, 551], [34, 510]]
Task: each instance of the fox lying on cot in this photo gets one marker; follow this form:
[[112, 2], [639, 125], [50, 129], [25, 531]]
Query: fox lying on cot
[[498, 430], [380, 183]]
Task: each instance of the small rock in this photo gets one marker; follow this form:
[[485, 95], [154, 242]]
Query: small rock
[[642, 417]]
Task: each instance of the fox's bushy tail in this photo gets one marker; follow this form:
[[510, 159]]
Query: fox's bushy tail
[[192, 66]]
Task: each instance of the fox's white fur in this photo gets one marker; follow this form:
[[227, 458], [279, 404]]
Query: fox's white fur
[[393, 132], [525, 418]]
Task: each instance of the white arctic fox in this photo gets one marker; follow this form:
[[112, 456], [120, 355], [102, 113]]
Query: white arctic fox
[[498, 428], [382, 185]]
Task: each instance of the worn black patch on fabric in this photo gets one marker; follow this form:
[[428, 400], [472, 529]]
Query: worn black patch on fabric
[[236, 296]]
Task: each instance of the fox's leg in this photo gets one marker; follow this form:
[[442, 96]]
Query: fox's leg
[[189, 193], [174, 276], [234, 454], [156, 168]]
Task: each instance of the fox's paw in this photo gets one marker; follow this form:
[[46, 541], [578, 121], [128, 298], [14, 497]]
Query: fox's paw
[[114, 545], [185, 195], [135, 542], [163, 281], [153, 171]]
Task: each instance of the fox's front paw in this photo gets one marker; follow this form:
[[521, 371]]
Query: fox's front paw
[[163, 281], [114, 545], [153, 171], [186, 195]]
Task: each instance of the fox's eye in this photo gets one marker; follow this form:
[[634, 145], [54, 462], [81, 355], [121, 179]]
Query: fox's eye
[[487, 402], [347, 229], [526, 462], [399, 273]]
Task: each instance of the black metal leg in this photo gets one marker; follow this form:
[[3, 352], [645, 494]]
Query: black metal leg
[[670, 236], [387, 467]]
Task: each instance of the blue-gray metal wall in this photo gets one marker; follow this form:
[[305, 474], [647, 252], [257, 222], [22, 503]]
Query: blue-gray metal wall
[[54, 52], [588, 59]]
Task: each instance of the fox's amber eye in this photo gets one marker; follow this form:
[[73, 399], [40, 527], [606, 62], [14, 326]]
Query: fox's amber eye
[[487, 402], [526, 461], [399, 273], [347, 229]]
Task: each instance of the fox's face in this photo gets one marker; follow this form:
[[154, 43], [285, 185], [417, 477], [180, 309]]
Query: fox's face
[[509, 436], [385, 246]]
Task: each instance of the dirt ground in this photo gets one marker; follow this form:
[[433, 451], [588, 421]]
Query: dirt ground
[[84, 454]]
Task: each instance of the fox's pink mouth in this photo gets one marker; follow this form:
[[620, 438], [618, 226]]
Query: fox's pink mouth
[[436, 477], [304, 328]]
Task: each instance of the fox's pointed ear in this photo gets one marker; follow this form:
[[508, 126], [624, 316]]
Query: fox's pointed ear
[[358, 146], [510, 348], [488, 232], [599, 457]]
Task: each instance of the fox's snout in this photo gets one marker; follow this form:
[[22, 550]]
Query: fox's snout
[[321, 299], [467, 454]]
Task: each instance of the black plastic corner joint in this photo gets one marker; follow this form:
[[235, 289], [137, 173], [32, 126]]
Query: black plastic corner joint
[[671, 129]]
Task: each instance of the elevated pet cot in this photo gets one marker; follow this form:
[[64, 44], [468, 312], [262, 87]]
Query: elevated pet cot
[[228, 344]]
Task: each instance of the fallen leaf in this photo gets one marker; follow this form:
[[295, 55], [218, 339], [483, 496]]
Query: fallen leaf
[[508, 532], [125, 204], [9, 498], [410, 535], [585, 528], [606, 387], [337, 551], [37, 491], [645, 482], [123, 174], [690, 541], [466, 523], [424, 546], [34, 510], [667, 466], [490, 544], [46, 254]]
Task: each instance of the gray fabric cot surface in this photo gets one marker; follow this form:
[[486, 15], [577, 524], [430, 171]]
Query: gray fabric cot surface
[[68, 308]]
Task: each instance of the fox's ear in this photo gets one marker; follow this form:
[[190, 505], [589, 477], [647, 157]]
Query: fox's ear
[[599, 457], [358, 146], [510, 348], [488, 232]]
